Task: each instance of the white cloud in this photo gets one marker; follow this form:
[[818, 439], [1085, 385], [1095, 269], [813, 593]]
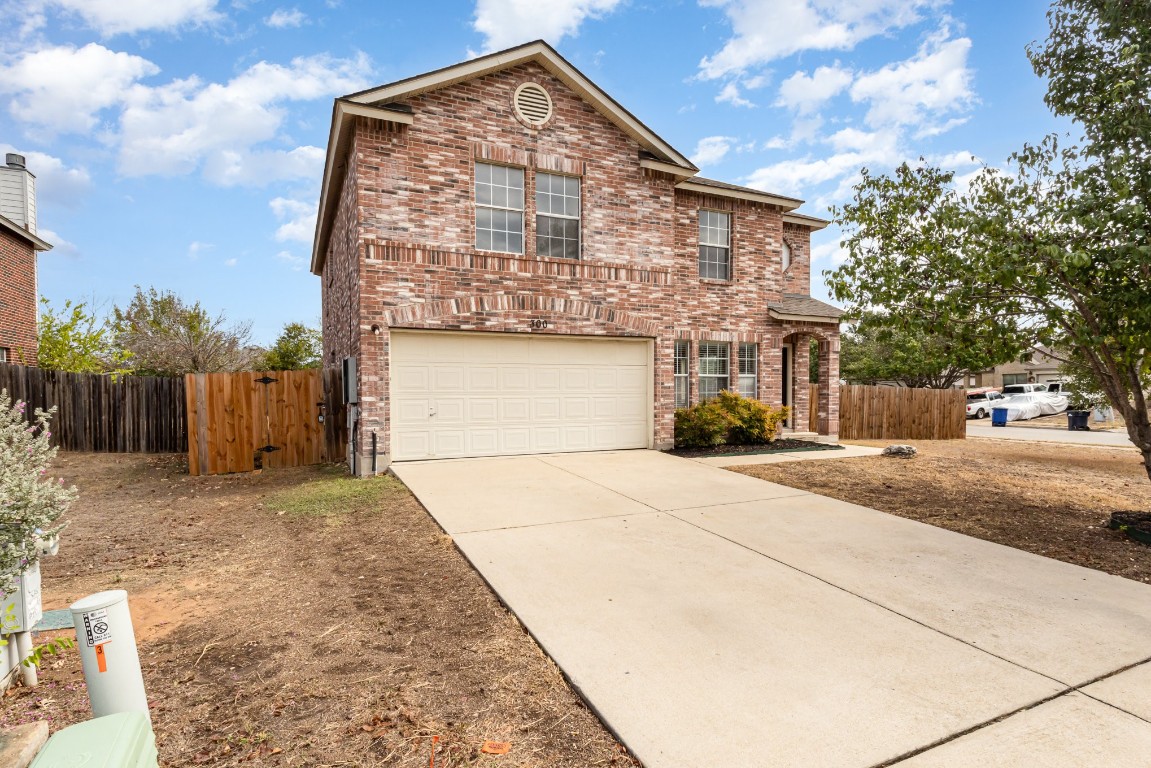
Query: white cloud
[[505, 23], [296, 263], [230, 262], [286, 17], [955, 160], [60, 246], [111, 17], [919, 90], [64, 88], [805, 93], [853, 149], [299, 219], [730, 93], [711, 149], [56, 181], [831, 251], [766, 30], [176, 128], [195, 248]]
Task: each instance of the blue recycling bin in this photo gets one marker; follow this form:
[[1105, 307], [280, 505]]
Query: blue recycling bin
[[999, 417]]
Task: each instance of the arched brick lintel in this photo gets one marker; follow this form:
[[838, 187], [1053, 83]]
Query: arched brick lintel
[[414, 314]]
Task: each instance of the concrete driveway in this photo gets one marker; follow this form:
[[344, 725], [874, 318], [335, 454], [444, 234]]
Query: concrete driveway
[[1116, 439], [713, 619]]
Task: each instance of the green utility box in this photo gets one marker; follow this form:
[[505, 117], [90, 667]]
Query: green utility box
[[123, 740]]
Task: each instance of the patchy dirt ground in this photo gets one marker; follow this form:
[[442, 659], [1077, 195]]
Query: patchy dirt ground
[[300, 618], [1052, 500]]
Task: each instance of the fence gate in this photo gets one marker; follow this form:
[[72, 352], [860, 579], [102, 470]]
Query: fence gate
[[238, 422]]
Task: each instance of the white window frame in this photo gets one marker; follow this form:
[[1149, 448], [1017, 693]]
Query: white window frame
[[681, 373], [714, 240], [494, 210], [3, 354], [785, 255], [714, 355], [1015, 378], [749, 370], [567, 199]]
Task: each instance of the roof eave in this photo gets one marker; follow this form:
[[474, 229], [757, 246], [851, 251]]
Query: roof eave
[[786, 203], [344, 114], [38, 243], [813, 223], [788, 317]]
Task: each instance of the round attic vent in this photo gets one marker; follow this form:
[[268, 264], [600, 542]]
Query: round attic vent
[[533, 105]]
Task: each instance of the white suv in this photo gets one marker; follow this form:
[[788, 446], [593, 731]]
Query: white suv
[[980, 403]]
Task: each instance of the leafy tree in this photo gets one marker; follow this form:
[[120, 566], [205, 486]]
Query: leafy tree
[[77, 341], [298, 346], [165, 336], [1055, 251], [877, 349]]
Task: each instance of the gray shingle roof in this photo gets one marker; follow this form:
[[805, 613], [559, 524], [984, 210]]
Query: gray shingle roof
[[800, 304]]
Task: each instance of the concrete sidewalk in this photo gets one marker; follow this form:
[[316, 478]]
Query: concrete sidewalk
[[713, 619]]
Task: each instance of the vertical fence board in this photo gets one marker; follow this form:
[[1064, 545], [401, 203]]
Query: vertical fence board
[[901, 413], [126, 414]]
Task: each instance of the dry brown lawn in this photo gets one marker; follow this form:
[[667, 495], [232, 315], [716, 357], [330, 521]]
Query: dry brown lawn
[[1053, 500], [301, 618]]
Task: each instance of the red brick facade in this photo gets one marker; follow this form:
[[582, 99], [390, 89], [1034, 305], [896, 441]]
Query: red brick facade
[[401, 250], [17, 298]]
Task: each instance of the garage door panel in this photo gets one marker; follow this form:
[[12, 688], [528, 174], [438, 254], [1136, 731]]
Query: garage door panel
[[515, 378], [483, 379], [480, 394], [483, 410]]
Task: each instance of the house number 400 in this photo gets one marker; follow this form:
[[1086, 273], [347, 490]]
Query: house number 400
[[538, 323]]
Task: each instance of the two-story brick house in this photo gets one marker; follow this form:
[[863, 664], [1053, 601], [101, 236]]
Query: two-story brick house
[[19, 245], [516, 264]]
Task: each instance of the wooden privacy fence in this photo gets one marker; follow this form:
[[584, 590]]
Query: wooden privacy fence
[[238, 422], [901, 413], [95, 412]]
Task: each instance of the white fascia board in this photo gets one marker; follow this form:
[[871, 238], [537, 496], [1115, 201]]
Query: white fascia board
[[802, 318], [786, 203], [343, 118], [675, 170], [37, 243], [813, 223]]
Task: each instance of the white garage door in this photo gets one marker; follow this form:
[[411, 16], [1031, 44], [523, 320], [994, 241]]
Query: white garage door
[[482, 394]]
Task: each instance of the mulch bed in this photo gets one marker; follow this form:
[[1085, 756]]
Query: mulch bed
[[1137, 525], [782, 445]]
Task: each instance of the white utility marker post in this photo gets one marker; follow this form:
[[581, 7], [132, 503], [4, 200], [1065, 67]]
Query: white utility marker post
[[108, 654]]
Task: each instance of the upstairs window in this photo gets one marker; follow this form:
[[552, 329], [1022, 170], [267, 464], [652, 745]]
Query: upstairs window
[[748, 367], [682, 382], [785, 255], [557, 216], [499, 208], [713, 369], [715, 245]]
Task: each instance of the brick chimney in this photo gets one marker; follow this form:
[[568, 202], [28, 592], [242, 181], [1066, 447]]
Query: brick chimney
[[18, 192]]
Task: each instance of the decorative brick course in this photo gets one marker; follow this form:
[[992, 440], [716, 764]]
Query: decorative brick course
[[18, 310], [402, 253]]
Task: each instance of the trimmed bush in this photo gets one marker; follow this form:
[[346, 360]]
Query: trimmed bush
[[701, 426], [727, 419]]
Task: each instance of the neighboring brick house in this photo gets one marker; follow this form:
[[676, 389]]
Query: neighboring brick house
[[18, 247], [1038, 368], [516, 264]]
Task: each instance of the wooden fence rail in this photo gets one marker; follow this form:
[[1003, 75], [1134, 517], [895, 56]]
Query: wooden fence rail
[[900, 413], [126, 414]]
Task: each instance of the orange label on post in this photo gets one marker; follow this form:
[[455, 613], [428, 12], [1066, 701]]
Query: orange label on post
[[101, 659]]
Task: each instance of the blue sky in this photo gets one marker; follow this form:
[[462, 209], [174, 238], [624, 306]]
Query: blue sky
[[180, 144]]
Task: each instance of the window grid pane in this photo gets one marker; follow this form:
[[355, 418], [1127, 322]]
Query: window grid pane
[[748, 367], [557, 216], [713, 262], [499, 208], [682, 381], [713, 369]]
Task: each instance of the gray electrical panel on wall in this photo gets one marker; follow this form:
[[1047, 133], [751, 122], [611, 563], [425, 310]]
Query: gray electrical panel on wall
[[351, 391]]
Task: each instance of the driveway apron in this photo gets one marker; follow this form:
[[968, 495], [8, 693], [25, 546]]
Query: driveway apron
[[713, 619]]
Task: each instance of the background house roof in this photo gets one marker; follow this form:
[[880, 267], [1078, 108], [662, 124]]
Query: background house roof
[[798, 306]]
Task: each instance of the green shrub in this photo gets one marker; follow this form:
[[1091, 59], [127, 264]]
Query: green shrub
[[728, 418], [701, 426], [751, 422]]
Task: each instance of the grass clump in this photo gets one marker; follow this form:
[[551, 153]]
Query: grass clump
[[334, 493]]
